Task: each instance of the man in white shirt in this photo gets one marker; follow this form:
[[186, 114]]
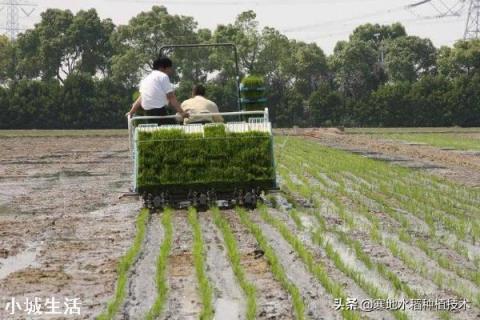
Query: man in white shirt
[[156, 92], [198, 107]]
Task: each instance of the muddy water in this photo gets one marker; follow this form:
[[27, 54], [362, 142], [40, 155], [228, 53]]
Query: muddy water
[[18, 262], [142, 290], [183, 300], [62, 226], [273, 301], [229, 299]]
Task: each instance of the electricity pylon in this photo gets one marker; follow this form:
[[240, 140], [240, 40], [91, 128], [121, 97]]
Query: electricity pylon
[[472, 28], [13, 8]]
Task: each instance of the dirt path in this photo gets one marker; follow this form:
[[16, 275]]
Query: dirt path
[[273, 302], [229, 300], [183, 301], [142, 289]]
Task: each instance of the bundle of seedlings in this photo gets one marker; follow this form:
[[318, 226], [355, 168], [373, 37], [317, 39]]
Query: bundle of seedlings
[[252, 91], [217, 158]]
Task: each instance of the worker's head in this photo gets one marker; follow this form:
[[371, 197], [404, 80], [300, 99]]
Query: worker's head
[[163, 64], [198, 90]]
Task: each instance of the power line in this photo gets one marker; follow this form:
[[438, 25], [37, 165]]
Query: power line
[[254, 3], [450, 11], [317, 25], [417, 4], [326, 35], [12, 26]]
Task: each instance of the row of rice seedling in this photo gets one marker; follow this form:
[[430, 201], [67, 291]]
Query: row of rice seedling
[[419, 198], [364, 169], [356, 246], [402, 237], [124, 266], [162, 261], [432, 207], [452, 241], [429, 219], [406, 237], [235, 259], [460, 200], [205, 288], [275, 265], [318, 269]]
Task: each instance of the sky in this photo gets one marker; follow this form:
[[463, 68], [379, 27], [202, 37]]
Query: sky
[[322, 21]]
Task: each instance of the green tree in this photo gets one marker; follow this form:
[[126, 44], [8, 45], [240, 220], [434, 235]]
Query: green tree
[[431, 106], [138, 43], [78, 104], [408, 58], [463, 58], [6, 59], [110, 102], [245, 34], [376, 33], [388, 106], [63, 43], [356, 67], [311, 69], [34, 104], [464, 100], [326, 107]]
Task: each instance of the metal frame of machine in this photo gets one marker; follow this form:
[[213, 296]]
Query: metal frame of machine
[[202, 196]]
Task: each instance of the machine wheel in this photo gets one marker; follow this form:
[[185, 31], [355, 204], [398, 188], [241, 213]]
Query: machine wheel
[[250, 200], [149, 202], [203, 202], [158, 201]]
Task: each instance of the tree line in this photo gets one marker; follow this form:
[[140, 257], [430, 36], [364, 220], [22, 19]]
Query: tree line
[[79, 71]]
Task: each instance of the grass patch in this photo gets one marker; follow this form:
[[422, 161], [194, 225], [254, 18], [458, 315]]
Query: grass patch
[[124, 265], [439, 140], [412, 130], [235, 258], [162, 260], [205, 289]]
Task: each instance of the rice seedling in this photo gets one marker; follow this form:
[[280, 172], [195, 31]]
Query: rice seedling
[[275, 265], [431, 217], [313, 265], [253, 93], [124, 266], [204, 286], [404, 236], [296, 218], [316, 268], [162, 260], [235, 258]]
